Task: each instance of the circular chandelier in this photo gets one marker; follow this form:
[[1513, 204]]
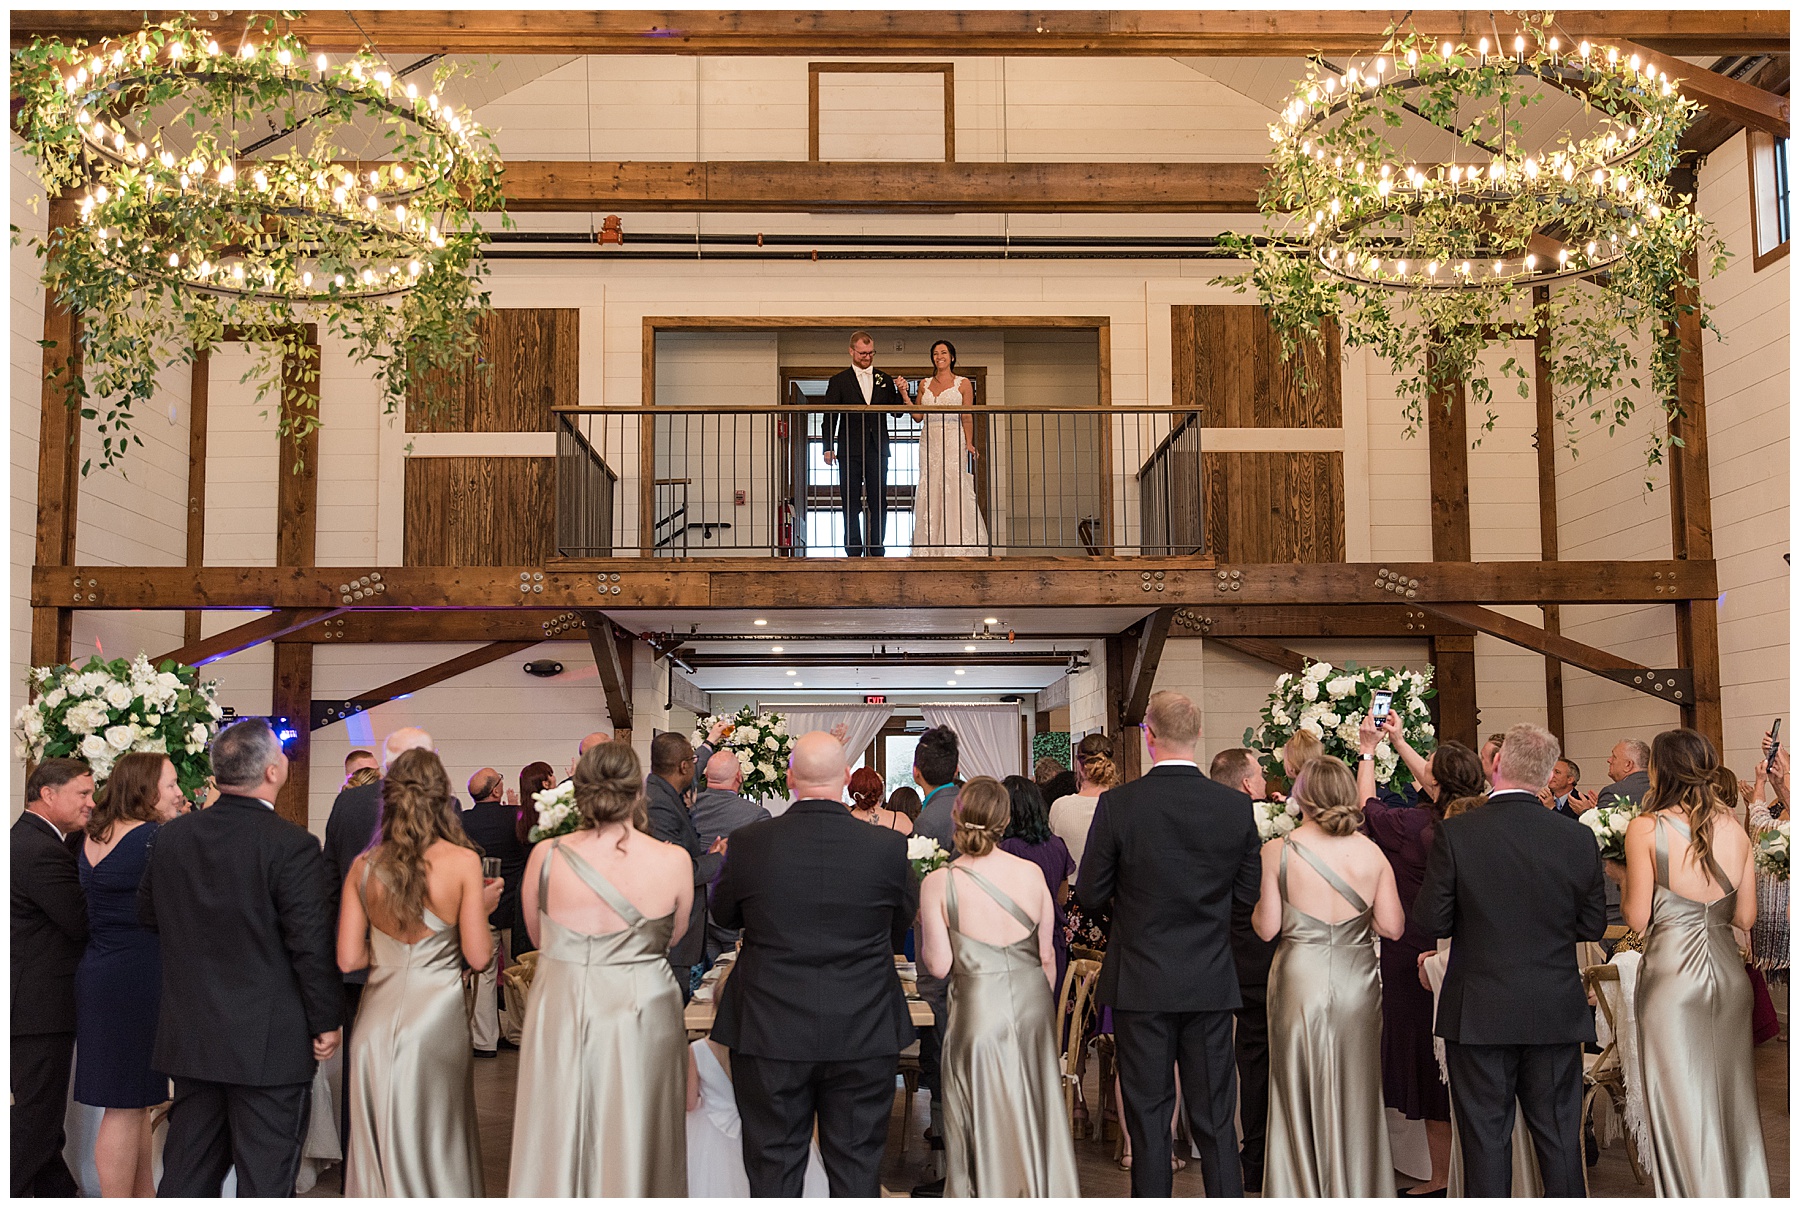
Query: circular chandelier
[[1421, 256], [189, 222]]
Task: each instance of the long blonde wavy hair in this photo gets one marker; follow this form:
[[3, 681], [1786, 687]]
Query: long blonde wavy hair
[[416, 811]]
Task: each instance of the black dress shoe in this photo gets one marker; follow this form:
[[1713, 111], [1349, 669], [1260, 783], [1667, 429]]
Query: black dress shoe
[[486, 1053], [1253, 1178], [508, 1045], [933, 1190]]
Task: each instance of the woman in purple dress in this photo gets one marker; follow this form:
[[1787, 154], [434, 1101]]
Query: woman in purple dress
[[1410, 1080], [1028, 836]]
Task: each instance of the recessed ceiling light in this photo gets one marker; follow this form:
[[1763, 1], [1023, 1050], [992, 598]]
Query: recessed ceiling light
[[959, 671], [774, 650], [990, 620], [969, 649], [951, 683], [759, 621], [798, 684], [791, 671]]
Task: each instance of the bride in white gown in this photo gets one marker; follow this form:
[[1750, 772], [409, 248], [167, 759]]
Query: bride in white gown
[[946, 520]]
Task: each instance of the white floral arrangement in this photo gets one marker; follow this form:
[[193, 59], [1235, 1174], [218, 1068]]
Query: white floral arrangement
[[1330, 702], [105, 710], [1275, 818], [1772, 850], [557, 814], [1608, 822], [925, 855], [761, 743]]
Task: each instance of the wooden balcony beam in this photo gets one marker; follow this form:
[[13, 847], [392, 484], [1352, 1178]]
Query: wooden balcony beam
[[851, 32], [776, 584], [282, 623]]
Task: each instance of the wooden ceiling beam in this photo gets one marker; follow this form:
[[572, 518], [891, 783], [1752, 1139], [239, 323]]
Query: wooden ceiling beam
[[1272, 653], [1711, 130], [408, 684], [278, 624], [851, 32], [1309, 621], [1743, 103], [713, 583], [614, 666], [1668, 685], [1146, 653], [790, 186]]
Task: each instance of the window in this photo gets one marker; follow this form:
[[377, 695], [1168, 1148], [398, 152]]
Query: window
[[1770, 217]]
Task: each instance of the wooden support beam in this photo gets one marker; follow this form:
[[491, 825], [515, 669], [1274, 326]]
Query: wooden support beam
[[1273, 653], [788, 186], [1690, 519], [1054, 695], [1549, 526], [298, 490], [199, 396], [1146, 652], [1711, 129], [614, 665], [1128, 742], [292, 698], [1745, 104], [963, 32], [1577, 654], [685, 693], [1309, 621], [59, 462], [280, 623], [713, 583], [493, 652], [1458, 719]]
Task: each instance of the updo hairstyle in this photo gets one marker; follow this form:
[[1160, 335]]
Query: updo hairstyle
[[983, 810], [1326, 791], [867, 788], [609, 786], [1094, 756]]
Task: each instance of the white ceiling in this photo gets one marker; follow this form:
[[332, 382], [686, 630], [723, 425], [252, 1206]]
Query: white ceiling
[[866, 621]]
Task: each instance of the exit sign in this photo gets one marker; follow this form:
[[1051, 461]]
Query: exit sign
[[874, 700]]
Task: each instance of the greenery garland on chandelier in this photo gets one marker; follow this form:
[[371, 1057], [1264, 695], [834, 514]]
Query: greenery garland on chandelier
[[183, 235], [1420, 262]]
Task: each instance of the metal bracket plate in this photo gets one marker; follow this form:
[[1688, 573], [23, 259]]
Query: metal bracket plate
[[1673, 684]]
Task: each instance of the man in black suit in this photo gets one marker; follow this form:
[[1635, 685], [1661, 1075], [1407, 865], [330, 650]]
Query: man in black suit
[[813, 1013], [1167, 855], [49, 932], [1516, 887], [1238, 768], [493, 825], [240, 900], [672, 762], [720, 810], [858, 441]]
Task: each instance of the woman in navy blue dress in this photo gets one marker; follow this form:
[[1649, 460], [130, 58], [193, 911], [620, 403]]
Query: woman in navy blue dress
[[118, 984]]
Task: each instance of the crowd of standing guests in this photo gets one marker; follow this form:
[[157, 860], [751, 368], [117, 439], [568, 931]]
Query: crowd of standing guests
[[1240, 979]]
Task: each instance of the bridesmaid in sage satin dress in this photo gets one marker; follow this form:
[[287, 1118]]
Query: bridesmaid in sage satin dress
[[602, 1091], [411, 1073], [987, 921], [1327, 1122], [1686, 859]]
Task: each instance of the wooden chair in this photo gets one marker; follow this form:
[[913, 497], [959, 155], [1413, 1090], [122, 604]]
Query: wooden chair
[[1075, 1013], [518, 975], [910, 1071], [1604, 1072]]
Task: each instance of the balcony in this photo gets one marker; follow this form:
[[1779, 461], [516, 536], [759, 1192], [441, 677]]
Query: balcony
[[694, 482]]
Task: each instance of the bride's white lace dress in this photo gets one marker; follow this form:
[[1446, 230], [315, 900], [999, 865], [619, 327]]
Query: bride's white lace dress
[[946, 520]]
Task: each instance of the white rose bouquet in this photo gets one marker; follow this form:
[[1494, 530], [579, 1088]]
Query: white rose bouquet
[[761, 743], [1275, 818], [1608, 822], [557, 814], [1772, 850], [925, 855], [108, 709], [1330, 702]]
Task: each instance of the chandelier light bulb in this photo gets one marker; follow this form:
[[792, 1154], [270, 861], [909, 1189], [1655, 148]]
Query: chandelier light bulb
[[1530, 261], [1583, 50], [284, 56], [383, 78], [372, 204], [177, 51], [1401, 268], [174, 261], [1612, 54], [323, 63], [1497, 267], [1412, 58], [412, 92], [226, 175], [1482, 47], [1448, 50], [1519, 46], [306, 280], [1380, 66], [184, 180], [249, 50], [102, 194]]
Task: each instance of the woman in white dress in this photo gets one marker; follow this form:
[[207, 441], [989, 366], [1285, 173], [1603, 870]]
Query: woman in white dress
[[946, 521], [715, 1136]]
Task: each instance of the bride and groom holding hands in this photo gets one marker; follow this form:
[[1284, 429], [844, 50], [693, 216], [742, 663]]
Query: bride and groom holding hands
[[946, 518]]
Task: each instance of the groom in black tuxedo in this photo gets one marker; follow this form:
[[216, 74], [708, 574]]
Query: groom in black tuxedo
[[857, 442], [1167, 854], [813, 1013], [1515, 886]]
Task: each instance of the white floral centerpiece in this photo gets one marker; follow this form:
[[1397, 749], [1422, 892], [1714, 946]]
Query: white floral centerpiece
[[1608, 822], [104, 710], [557, 814], [761, 743], [1275, 818], [1330, 702], [1772, 850]]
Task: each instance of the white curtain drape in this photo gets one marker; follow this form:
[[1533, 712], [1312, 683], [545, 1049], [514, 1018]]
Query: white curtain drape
[[861, 723], [987, 737]]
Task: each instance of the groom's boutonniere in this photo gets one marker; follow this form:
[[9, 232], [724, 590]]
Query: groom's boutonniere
[[879, 380]]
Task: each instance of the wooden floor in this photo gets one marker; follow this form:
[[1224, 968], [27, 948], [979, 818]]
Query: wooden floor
[[1100, 1176]]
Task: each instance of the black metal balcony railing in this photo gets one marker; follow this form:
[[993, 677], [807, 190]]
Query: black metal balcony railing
[[688, 481]]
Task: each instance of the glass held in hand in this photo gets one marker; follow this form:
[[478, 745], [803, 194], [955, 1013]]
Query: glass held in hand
[[490, 867]]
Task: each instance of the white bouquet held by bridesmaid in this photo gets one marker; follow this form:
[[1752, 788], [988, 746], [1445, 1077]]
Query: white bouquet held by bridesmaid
[[1330, 702], [1275, 818], [761, 743], [557, 814], [925, 855], [1608, 822], [108, 709]]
